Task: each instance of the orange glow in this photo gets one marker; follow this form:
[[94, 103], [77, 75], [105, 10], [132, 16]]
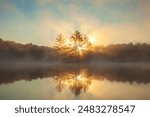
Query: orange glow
[[77, 44], [75, 82], [91, 39]]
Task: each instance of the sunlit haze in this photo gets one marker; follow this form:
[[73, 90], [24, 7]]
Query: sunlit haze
[[104, 21]]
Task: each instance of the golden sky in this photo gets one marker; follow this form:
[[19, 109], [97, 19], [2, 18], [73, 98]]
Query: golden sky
[[107, 21]]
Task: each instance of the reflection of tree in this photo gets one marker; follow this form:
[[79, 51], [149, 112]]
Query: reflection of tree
[[114, 73], [74, 81]]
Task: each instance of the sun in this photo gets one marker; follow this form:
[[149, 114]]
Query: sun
[[78, 45], [91, 39]]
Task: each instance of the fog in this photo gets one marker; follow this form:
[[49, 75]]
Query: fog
[[12, 52], [125, 67]]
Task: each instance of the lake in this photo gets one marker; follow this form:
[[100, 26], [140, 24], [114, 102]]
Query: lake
[[75, 81]]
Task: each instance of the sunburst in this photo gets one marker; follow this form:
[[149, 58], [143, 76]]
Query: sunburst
[[76, 45]]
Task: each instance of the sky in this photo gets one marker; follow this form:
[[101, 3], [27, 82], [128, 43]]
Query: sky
[[107, 21]]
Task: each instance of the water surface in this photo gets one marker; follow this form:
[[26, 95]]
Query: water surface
[[75, 82]]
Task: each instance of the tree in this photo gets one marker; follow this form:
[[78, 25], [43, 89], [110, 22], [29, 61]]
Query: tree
[[74, 48], [87, 42], [77, 37], [81, 44], [60, 42]]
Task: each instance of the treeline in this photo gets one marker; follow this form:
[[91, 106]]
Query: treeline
[[123, 53], [11, 51]]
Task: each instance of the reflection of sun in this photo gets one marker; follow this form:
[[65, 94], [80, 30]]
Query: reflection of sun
[[75, 82]]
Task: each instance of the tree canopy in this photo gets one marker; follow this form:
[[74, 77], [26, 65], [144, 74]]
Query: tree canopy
[[77, 45]]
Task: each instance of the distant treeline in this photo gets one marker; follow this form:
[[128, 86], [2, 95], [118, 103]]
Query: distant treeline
[[123, 53], [11, 51]]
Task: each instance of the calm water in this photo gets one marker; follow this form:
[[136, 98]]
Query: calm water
[[73, 82]]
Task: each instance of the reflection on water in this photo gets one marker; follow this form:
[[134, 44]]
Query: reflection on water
[[76, 82], [73, 82]]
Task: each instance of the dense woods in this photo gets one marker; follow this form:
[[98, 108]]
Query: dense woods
[[11, 51], [139, 52]]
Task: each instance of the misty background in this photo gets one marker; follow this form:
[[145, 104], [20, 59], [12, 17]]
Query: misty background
[[15, 52]]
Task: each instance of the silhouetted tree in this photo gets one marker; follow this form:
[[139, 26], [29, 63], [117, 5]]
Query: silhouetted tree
[[76, 37], [75, 48], [60, 42], [11, 51]]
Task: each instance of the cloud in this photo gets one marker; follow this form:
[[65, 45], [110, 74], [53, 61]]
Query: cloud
[[44, 2], [110, 2], [143, 9], [122, 33], [43, 27]]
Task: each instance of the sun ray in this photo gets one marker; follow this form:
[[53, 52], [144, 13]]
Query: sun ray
[[77, 45]]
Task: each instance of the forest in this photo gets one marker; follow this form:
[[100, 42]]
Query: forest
[[13, 52]]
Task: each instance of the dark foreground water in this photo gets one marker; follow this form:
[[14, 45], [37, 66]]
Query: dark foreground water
[[102, 81]]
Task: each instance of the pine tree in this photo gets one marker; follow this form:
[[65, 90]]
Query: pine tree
[[60, 42]]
